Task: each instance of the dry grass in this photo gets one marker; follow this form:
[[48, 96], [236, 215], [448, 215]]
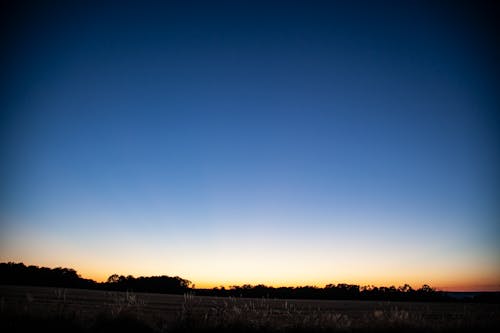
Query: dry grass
[[57, 310], [282, 316]]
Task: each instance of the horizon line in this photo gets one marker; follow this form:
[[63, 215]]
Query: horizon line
[[212, 285]]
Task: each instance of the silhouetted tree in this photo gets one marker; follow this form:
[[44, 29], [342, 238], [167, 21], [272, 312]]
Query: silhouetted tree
[[113, 278], [20, 274]]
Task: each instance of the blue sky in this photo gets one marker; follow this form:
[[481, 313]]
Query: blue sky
[[357, 126]]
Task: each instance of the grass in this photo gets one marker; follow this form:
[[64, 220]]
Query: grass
[[262, 315], [24, 309]]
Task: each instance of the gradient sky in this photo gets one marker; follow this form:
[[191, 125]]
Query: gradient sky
[[284, 143]]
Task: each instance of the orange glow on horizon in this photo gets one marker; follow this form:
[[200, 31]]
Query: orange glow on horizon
[[465, 286], [465, 282], [273, 262]]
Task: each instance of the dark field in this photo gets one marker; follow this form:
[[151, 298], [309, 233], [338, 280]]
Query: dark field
[[56, 309]]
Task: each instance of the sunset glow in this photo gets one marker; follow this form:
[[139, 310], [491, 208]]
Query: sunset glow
[[253, 144]]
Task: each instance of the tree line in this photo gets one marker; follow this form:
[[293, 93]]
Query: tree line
[[20, 274], [341, 291]]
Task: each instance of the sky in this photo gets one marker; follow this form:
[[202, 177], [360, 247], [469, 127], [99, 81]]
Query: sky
[[284, 143]]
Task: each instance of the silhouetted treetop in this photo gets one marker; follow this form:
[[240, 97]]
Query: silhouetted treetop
[[20, 274], [161, 284]]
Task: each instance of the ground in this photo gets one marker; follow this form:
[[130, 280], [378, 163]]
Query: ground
[[57, 309]]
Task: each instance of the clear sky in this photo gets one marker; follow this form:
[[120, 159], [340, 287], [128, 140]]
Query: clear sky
[[284, 143]]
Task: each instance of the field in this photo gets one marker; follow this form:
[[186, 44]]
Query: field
[[41, 309]]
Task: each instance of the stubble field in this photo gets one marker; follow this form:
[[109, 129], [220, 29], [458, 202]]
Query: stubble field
[[39, 309]]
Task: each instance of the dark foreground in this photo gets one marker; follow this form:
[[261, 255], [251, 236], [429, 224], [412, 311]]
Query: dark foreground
[[38, 309]]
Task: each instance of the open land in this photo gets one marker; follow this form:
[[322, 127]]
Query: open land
[[35, 309]]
